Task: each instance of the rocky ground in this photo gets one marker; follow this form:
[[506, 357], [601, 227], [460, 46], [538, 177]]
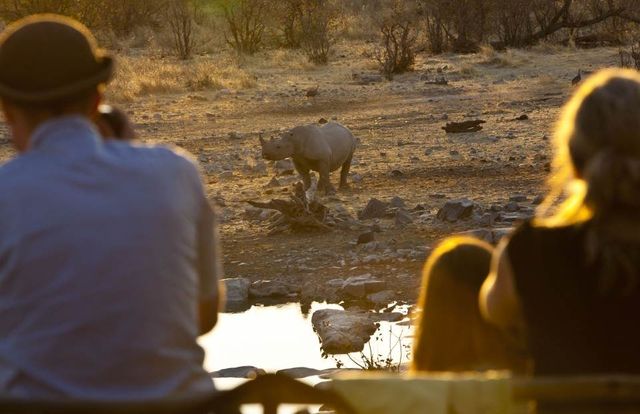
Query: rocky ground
[[375, 250]]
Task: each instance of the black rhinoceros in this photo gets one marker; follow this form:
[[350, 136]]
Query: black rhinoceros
[[319, 148]]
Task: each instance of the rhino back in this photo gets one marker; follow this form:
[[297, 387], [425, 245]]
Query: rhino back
[[341, 141]]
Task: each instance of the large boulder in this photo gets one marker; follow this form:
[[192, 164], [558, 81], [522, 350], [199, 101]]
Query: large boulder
[[343, 332], [454, 210]]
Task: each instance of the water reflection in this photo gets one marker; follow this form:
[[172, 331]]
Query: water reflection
[[279, 337]]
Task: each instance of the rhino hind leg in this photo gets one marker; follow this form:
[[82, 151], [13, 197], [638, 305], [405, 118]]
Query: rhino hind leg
[[344, 172], [324, 183]]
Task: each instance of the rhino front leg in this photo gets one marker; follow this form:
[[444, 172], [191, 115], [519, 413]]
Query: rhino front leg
[[324, 182], [303, 170], [344, 173]]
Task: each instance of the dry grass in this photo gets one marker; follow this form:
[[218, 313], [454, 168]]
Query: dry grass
[[288, 59], [467, 69], [488, 56], [138, 76]]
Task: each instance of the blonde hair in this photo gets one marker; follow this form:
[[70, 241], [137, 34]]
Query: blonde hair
[[597, 169], [451, 334]]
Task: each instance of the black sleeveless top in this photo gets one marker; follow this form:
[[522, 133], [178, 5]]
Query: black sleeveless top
[[571, 327]]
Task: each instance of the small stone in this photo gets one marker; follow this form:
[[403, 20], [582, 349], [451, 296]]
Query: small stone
[[511, 207], [538, 200], [273, 183], [366, 237], [397, 202], [356, 178], [235, 135], [225, 175], [403, 218], [522, 117], [395, 173], [518, 198]]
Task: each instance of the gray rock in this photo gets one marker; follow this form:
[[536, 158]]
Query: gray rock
[[273, 183], [387, 317], [237, 292], [269, 289], [356, 178], [238, 372], [225, 175], [538, 200], [455, 210], [343, 332], [252, 213], [397, 202], [374, 209], [366, 237], [335, 283], [511, 207], [235, 135], [360, 286], [403, 218], [381, 298], [518, 198], [301, 372]]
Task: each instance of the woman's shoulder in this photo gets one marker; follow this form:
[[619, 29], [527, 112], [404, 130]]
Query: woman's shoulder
[[533, 240], [533, 231]]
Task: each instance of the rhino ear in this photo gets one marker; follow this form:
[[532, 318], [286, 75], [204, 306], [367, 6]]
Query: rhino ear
[[261, 138]]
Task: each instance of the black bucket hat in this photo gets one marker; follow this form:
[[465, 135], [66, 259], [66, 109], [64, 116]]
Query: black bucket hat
[[47, 58]]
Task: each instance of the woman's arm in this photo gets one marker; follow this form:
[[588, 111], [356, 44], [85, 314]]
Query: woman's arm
[[499, 301]]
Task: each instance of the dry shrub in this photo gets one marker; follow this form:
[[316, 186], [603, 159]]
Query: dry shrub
[[317, 22], [246, 24], [181, 15], [489, 56], [142, 76], [399, 35]]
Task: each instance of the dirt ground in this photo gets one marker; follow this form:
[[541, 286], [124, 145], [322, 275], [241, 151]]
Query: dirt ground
[[398, 125]]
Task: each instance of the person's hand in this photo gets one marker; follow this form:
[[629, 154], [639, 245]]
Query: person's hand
[[113, 123]]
